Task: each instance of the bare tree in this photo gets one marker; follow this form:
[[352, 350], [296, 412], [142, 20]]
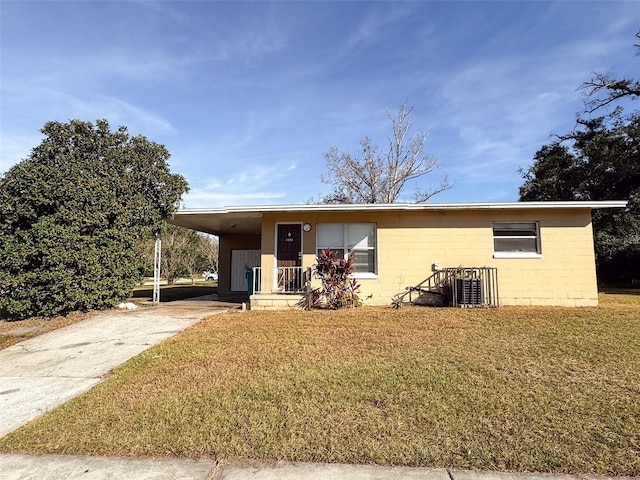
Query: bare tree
[[195, 257], [184, 252], [613, 88], [377, 176], [210, 247], [175, 251]]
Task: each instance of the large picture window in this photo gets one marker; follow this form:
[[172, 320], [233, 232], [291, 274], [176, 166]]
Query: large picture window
[[344, 238], [516, 239]]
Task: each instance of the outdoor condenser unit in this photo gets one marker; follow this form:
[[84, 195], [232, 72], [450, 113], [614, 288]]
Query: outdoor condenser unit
[[469, 292]]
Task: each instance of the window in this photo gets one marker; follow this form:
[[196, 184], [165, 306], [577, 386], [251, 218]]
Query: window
[[516, 240], [344, 238]]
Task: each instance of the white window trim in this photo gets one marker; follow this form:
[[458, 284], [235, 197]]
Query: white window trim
[[516, 255], [364, 275], [359, 275], [536, 254]]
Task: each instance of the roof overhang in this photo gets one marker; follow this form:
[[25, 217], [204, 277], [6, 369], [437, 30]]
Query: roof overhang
[[248, 219]]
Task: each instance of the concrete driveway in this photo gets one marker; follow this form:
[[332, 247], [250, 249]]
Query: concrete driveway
[[45, 371]]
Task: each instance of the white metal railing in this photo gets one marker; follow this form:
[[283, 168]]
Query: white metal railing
[[283, 280], [288, 279], [458, 287]]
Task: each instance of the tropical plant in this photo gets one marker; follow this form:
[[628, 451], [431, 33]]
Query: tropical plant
[[338, 289]]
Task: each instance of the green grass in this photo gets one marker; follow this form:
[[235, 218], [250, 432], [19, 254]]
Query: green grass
[[523, 389], [169, 293]]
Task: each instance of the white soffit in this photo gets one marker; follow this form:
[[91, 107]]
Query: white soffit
[[248, 219], [258, 209]]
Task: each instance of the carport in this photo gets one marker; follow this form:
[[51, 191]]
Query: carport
[[240, 235]]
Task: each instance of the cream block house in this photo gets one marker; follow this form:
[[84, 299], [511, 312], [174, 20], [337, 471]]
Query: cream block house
[[542, 252]]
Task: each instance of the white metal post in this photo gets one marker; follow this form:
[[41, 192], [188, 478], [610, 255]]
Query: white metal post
[[156, 271]]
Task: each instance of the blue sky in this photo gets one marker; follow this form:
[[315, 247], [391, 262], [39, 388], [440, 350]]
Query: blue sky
[[248, 96]]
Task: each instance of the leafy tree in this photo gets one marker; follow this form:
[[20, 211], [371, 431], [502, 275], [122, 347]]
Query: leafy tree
[[380, 175], [598, 161], [71, 215]]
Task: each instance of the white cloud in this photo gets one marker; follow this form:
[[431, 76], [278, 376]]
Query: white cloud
[[199, 198], [371, 29], [258, 183], [132, 115], [504, 109], [47, 103]]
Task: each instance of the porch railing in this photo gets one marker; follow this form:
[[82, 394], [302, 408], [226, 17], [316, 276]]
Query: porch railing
[[283, 280], [288, 279]]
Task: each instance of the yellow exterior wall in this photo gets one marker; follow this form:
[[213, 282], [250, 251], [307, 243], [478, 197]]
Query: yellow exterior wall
[[408, 243], [227, 244]]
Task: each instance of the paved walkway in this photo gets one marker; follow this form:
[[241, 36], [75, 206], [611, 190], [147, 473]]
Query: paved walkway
[[43, 372]]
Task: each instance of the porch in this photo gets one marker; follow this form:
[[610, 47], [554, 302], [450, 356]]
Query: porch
[[277, 288]]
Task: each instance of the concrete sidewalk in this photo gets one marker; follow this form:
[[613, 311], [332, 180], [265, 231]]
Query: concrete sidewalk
[[43, 372], [53, 467]]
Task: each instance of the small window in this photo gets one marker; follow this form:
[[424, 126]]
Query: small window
[[344, 238], [516, 239]]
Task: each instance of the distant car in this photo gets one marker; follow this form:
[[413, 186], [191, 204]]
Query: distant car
[[210, 276]]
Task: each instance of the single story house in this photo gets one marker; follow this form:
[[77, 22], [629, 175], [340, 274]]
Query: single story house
[[541, 253]]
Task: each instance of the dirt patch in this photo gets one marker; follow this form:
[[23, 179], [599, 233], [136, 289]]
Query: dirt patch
[[18, 331], [23, 331]]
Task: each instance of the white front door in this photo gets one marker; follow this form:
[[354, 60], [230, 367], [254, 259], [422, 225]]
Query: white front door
[[240, 261]]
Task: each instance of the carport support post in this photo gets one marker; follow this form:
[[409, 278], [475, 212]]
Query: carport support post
[[156, 270]]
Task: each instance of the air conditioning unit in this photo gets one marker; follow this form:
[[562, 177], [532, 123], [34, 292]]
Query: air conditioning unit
[[469, 292]]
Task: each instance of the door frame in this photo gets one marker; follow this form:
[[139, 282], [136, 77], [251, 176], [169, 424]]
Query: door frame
[[275, 250]]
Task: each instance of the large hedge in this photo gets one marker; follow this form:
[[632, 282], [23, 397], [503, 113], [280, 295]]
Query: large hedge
[[71, 214]]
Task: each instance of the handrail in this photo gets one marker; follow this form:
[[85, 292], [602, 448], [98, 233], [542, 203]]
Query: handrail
[[437, 281], [443, 282]]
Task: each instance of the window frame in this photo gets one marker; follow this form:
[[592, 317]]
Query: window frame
[[514, 253], [345, 245]]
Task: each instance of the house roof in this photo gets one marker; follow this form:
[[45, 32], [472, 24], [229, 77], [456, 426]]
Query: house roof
[[248, 219]]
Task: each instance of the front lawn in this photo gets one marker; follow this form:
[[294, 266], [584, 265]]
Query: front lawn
[[542, 389]]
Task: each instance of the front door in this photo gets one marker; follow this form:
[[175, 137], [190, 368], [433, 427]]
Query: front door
[[289, 256]]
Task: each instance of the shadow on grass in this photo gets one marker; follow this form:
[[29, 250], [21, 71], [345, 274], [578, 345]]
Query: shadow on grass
[[619, 290], [169, 293]]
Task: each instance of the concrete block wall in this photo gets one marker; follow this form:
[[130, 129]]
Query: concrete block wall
[[408, 243]]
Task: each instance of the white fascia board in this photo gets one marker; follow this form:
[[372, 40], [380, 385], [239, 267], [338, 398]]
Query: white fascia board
[[259, 209]]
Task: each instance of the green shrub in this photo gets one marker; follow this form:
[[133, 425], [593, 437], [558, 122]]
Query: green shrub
[[71, 214]]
